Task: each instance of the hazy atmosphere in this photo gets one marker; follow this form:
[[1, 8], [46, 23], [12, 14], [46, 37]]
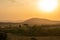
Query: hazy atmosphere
[[29, 19], [13, 10]]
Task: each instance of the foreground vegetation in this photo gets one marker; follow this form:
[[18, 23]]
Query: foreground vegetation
[[36, 30]]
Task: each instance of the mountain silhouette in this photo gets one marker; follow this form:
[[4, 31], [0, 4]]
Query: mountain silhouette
[[39, 21]]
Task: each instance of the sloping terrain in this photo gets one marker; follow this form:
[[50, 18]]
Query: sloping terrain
[[38, 21]]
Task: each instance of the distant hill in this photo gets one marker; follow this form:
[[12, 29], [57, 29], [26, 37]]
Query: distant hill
[[33, 21], [39, 21]]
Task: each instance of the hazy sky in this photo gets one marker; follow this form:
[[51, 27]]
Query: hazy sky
[[12, 10]]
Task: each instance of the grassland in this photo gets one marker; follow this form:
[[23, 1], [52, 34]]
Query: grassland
[[26, 32]]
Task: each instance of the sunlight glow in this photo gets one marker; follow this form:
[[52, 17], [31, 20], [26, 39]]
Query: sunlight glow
[[47, 5]]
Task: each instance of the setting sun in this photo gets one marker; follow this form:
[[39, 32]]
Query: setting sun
[[47, 5], [12, 10]]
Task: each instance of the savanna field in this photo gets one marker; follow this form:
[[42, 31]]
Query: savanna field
[[35, 32]]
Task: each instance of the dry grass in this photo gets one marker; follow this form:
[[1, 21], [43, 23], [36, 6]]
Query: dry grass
[[15, 37]]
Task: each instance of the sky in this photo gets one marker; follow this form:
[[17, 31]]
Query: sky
[[13, 10]]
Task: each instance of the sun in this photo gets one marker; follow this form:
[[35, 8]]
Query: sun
[[47, 5]]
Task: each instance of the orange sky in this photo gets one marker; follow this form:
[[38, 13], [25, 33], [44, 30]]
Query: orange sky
[[24, 9]]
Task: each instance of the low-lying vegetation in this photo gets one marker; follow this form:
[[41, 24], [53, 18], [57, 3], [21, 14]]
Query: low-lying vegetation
[[42, 30]]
